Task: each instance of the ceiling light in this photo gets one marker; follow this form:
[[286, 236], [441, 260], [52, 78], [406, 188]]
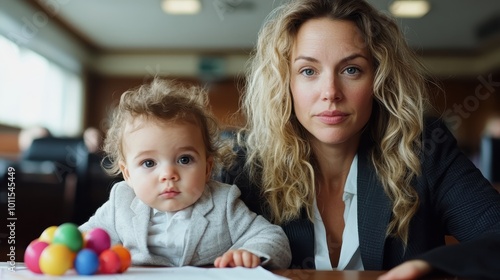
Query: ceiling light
[[410, 8], [181, 6]]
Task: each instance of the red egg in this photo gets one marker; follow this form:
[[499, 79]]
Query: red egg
[[32, 255], [109, 262]]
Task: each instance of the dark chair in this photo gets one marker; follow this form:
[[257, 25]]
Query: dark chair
[[490, 159], [63, 161]]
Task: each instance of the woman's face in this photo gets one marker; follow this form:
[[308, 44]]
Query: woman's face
[[331, 80]]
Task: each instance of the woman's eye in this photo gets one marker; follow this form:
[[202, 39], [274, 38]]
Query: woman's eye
[[184, 160], [308, 72], [148, 163], [351, 70]]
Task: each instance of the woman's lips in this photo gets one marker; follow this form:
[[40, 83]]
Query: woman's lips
[[332, 118]]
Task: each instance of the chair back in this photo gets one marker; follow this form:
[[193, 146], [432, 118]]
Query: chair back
[[65, 151], [64, 156], [490, 159]]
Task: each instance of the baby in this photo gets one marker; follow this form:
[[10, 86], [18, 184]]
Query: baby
[[168, 211]]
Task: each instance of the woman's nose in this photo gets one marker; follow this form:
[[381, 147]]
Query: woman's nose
[[331, 91]]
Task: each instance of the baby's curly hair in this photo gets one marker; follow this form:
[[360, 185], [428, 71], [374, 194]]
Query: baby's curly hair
[[165, 101]]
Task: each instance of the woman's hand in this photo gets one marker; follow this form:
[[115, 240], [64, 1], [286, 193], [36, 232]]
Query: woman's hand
[[408, 270], [234, 258]]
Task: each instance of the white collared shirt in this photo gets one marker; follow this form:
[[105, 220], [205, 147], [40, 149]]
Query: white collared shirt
[[350, 256], [167, 233]]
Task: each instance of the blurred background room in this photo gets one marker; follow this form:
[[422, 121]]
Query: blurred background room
[[64, 64]]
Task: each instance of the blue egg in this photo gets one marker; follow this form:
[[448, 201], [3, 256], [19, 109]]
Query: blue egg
[[86, 262]]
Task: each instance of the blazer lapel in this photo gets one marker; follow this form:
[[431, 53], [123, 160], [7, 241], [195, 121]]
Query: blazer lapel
[[374, 214], [197, 225], [140, 223]]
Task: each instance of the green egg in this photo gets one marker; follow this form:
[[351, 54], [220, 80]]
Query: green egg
[[68, 234]]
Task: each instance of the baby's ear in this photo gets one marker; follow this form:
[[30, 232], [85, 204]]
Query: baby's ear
[[210, 164], [124, 170]]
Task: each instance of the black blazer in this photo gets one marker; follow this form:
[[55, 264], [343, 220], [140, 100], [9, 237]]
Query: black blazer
[[455, 199]]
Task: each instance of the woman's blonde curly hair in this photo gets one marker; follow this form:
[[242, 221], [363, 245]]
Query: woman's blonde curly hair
[[279, 153]]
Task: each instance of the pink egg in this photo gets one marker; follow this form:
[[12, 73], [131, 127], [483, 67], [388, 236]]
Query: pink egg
[[98, 240], [32, 255]]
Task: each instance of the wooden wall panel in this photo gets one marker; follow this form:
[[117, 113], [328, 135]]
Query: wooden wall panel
[[103, 94], [466, 105]]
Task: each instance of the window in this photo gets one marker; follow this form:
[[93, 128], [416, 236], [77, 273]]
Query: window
[[37, 92]]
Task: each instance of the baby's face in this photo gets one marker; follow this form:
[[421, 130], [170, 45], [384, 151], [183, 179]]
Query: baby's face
[[165, 163]]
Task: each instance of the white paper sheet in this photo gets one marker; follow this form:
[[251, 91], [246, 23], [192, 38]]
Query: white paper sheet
[[150, 273]]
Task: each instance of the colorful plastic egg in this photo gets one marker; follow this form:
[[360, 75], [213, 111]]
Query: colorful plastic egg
[[32, 255], [124, 255], [56, 259], [109, 262], [86, 262], [84, 240], [69, 235], [98, 240], [48, 234]]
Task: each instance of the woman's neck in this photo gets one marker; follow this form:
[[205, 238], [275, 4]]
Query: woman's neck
[[334, 163]]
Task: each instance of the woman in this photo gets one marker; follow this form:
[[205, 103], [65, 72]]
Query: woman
[[337, 151]]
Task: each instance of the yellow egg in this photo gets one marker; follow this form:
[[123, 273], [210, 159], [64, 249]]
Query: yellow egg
[[56, 259], [48, 234]]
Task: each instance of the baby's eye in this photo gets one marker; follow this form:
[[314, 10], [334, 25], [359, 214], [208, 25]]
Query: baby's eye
[[307, 72], [351, 70], [148, 163], [184, 159]]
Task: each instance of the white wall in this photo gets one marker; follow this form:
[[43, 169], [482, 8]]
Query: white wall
[[36, 30]]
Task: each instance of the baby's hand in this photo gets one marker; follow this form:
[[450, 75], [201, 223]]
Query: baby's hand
[[234, 258]]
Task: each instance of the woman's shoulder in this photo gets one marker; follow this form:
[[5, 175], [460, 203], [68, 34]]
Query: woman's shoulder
[[436, 128], [442, 158], [437, 139]]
